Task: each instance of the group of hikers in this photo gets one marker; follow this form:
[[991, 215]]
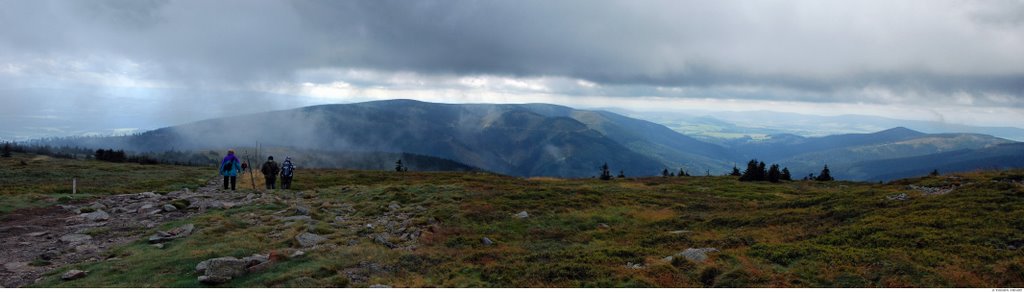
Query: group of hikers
[[230, 166]]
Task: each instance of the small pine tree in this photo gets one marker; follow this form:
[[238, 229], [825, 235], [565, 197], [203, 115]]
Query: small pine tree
[[934, 172], [605, 173], [825, 175], [786, 175], [749, 174], [399, 167], [762, 172], [664, 173], [774, 174], [622, 174], [735, 171], [7, 150]]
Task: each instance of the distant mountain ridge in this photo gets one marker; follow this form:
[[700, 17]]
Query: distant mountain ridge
[[548, 140]]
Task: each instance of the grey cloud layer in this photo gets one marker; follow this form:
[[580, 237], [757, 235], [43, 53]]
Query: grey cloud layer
[[814, 48]]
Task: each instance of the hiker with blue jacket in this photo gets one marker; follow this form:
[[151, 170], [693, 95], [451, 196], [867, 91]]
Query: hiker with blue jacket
[[287, 172], [229, 168]]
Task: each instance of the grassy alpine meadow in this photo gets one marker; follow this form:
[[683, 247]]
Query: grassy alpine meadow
[[29, 181], [958, 230]]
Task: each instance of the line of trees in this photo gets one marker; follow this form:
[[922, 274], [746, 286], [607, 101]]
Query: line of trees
[[756, 172]]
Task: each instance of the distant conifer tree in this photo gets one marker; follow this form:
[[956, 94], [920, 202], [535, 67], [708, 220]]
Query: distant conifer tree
[[399, 167], [664, 173], [7, 150], [735, 171], [622, 174], [605, 173], [762, 172], [750, 173], [825, 175], [934, 172], [774, 174], [785, 174]]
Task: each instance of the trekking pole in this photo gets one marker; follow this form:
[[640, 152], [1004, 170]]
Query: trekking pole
[[252, 177]]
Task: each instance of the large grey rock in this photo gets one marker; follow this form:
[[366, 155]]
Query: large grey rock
[[17, 267], [98, 215], [75, 238], [698, 255], [220, 270], [307, 239], [74, 274], [486, 241]]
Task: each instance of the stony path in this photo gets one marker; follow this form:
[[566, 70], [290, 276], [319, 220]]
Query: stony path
[[36, 241]]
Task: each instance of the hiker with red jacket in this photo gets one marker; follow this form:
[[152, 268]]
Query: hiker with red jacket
[[229, 168]]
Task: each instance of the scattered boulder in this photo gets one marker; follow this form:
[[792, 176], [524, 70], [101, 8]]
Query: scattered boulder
[[634, 266], [221, 270], [302, 210], [146, 208], [698, 255], [679, 231], [297, 218], [17, 266], [75, 238], [379, 286], [523, 215], [307, 239], [98, 215], [74, 274], [98, 206], [38, 234], [169, 208], [177, 232], [898, 197], [486, 241], [603, 226], [159, 246], [394, 206], [381, 239]]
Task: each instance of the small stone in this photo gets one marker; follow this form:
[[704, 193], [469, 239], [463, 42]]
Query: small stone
[[297, 253], [486, 241], [307, 239], [169, 208], [603, 226], [99, 215], [379, 286], [394, 206], [97, 206], [85, 248], [523, 215], [383, 241], [158, 246], [213, 279], [697, 254], [297, 218], [260, 267], [75, 238], [679, 231], [38, 234], [74, 274], [301, 210]]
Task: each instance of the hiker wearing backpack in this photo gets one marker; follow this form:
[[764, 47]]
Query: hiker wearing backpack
[[287, 171], [229, 168], [270, 171]]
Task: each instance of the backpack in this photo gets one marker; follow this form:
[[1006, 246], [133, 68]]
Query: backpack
[[226, 167], [286, 171]]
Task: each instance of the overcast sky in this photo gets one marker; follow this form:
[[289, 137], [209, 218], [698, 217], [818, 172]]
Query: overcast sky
[[68, 67]]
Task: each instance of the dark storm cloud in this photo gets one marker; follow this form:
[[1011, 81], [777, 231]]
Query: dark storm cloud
[[815, 48]]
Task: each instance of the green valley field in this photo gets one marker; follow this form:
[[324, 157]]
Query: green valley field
[[425, 229]]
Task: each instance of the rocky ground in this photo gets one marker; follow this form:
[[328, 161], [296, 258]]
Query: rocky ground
[[35, 241]]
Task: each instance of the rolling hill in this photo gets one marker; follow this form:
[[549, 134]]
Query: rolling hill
[[536, 140]]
